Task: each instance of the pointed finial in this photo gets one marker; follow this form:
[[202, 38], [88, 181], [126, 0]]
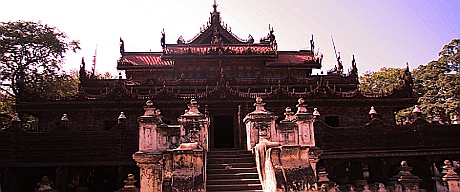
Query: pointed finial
[[372, 111], [316, 112], [417, 112], [16, 118], [122, 116], [64, 117], [149, 103], [416, 109], [215, 6]]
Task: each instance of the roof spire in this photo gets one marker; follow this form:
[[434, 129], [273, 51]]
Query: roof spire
[[215, 6]]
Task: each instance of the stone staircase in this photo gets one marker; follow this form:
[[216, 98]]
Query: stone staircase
[[231, 170]]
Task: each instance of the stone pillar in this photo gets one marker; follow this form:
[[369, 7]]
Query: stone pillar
[[287, 132], [194, 127], [149, 158], [260, 125], [448, 179], [148, 128], [305, 125], [404, 180]]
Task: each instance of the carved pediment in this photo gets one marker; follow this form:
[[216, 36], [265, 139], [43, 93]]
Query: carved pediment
[[215, 32]]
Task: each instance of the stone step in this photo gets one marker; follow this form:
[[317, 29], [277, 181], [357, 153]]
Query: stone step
[[232, 176], [230, 155], [238, 191], [235, 187], [229, 152], [233, 165], [222, 160], [232, 170], [233, 181]]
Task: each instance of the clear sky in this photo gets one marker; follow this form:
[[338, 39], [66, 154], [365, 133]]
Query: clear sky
[[386, 33]]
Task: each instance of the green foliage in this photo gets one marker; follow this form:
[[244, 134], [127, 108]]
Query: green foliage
[[54, 86], [385, 79], [30, 53], [6, 110], [451, 56], [438, 88], [6, 103], [436, 84]]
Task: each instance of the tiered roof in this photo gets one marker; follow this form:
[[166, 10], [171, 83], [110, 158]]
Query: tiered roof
[[216, 41]]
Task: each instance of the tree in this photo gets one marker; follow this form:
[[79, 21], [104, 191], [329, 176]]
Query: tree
[[436, 84], [31, 54], [385, 79], [450, 55]]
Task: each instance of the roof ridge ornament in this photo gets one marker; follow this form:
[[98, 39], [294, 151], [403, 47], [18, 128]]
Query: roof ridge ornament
[[215, 6], [215, 16], [163, 39]]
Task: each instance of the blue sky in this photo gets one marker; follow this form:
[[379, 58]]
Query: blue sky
[[379, 33]]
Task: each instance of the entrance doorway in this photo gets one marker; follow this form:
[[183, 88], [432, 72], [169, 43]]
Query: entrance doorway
[[223, 131]]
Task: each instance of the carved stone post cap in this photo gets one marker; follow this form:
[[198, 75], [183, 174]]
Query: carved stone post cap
[[302, 106], [122, 116], [288, 109], [372, 111], [192, 108], [193, 101], [259, 100], [316, 112], [403, 163], [416, 109], [149, 103], [15, 118], [130, 181], [45, 180], [404, 169], [64, 117], [301, 101], [455, 118]]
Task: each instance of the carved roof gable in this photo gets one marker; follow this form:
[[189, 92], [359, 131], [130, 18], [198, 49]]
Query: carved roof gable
[[215, 32]]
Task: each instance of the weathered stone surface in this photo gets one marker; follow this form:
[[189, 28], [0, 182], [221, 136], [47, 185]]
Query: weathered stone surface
[[448, 179]]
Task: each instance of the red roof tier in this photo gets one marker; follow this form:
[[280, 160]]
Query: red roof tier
[[293, 58], [151, 59]]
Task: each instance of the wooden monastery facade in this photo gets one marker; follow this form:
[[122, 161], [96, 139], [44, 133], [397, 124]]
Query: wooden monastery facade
[[90, 149]]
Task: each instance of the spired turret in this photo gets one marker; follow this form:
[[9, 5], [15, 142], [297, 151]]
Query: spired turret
[[193, 128]]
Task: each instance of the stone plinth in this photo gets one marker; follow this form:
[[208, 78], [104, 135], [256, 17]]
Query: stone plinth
[[184, 170], [150, 170]]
